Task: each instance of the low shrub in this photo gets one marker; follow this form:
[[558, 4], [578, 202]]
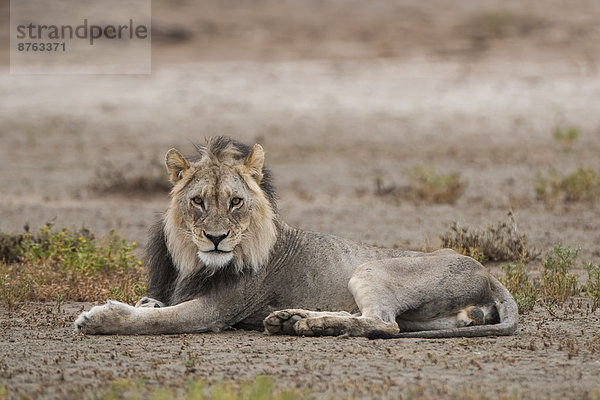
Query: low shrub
[[557, 282], [581, 185], [70, 265], [425, 186], [566, 137], [516, 279]]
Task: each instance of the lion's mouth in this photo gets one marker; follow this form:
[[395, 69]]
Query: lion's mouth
[[217, 251], [215, 258]]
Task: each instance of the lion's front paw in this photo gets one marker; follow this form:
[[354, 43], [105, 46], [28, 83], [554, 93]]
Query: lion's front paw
[[321, 326], [282, 322], [113, 317], [149, 303]]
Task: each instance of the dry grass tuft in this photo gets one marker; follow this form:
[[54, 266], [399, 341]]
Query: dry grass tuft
[[499, 242], [151, 179], [65, 265], [425, 186]]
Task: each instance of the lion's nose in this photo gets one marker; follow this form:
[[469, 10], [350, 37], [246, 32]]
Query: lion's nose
[[216, 239]]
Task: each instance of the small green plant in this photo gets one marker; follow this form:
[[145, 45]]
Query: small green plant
[[77, 251], [516, 279], [581, 185], [497, 22], [189, 363], [499, 242], [425, 186], [432, 187], [71, 265], [557, 282], [566, 137], [592, 288]]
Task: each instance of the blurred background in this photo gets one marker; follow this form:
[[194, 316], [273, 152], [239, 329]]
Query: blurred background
[[383, 121]]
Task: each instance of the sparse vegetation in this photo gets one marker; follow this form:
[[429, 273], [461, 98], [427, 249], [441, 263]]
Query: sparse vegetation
[[557, 282], [499, 242], [433, 187], [516, 279], [500, 24], [426, 186], [128, 180], [260, 388], [581, 185], [496, 23], [69, 265], [567, 137]]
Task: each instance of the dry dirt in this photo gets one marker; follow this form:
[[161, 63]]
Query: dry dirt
[[340, 94], [548, 358]]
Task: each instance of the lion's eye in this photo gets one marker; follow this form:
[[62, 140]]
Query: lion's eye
[[236, 201], [198, 202]]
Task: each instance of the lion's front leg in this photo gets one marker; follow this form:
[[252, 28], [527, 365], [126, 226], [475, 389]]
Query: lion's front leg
[[198, 315], [113, 317]]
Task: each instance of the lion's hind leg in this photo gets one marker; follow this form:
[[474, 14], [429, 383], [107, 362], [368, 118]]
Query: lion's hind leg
[[334, 325], [468, 316], [324, 323], [284, 321]]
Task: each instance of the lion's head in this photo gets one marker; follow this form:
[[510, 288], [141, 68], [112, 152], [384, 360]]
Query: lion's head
[[222, 211]]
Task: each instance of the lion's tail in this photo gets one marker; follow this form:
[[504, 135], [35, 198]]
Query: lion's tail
[[507, 309]]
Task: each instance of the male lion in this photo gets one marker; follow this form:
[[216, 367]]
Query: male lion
[[222, 257]]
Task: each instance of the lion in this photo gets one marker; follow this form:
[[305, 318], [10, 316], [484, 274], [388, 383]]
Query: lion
[[221, 257]]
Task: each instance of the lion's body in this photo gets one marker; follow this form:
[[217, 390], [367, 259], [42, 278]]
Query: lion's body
[[222, 257], [313, 273]]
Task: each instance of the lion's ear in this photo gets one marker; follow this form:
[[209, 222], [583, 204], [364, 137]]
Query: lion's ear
[[254, 162], [176, 165]]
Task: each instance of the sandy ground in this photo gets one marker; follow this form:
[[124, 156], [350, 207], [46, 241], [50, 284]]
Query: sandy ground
[[554, 357], [339, 98]]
